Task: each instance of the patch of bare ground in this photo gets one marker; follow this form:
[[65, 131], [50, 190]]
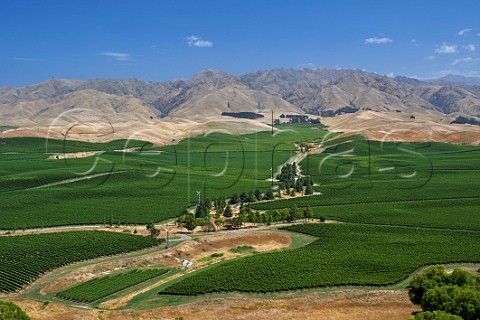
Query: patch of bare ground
[[74, 155], [403, 127], [190, 249], [163, 131], [344, 305], [194, 250]]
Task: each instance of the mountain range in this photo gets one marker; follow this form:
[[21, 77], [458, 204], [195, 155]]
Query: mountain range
[[211, 92]]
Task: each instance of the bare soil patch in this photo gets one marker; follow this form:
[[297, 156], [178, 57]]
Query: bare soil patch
[[191, 250], [345, 305], [404, 127]]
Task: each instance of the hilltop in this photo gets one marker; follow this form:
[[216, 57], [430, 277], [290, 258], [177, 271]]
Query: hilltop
[[181, 107]]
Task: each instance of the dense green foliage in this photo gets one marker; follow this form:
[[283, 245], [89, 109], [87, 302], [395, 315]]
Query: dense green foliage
[[457, 293], [357, 171], [465, 120], [449, 214], [102, 287], [150, 184], [25, 258], [10, 311], [436, 315], [344, 254], [244, 114]]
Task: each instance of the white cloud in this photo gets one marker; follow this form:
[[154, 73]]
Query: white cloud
[[466, 60], [120, 56], [195, 41], [376, 40], [430, 58], [445, 48], [390, 75], [464, 31], [470, 47]]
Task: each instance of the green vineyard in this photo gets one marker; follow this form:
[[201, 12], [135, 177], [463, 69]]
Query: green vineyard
[[136, 187], [24, 258], [102, 287], [343, 255]]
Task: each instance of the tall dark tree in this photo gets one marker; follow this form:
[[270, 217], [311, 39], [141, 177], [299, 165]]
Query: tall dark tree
[[154, 232], [258, 195], [268, 195], [228, 211], [234, 199], [308, 189], [308, 213], [293, 214], [187, 221]]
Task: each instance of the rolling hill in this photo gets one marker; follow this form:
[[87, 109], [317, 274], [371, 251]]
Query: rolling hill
[[196, 102]]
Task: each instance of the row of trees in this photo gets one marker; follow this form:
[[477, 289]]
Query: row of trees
[[251, 196], [222, 207], [291, 182], [246, 215]]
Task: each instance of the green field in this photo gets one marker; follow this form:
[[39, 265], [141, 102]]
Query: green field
[[388, 173], [25, 258], [102, 287], [405, 206], [343, 255], [446, 214], [150, 184]]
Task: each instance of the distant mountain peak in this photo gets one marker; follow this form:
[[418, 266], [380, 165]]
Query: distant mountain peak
[[209, 73], [472, 81], [289, 90]]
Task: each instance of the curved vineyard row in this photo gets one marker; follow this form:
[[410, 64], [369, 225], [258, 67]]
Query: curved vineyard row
[[363, 255], [24, 258], [99, 288], [314, 201]]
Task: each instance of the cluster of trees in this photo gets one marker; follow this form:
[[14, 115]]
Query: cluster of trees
[[243, 114], [351, 108], [291, 215], [202, 217], [465, 120], [10, 311], [446, 296], [246, 215], [290, 182], [251, 196], [295, 118]]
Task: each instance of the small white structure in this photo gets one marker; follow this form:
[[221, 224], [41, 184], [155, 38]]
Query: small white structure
[[186, 264]]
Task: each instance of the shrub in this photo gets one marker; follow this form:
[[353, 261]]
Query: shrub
[[10, 311], [435, 315]]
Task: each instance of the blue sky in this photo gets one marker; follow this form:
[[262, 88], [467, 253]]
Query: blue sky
[[164, 40]]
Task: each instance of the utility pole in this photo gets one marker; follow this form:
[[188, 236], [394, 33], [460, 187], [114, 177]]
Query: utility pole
[[272, 124], [168, 240], [271, 175]]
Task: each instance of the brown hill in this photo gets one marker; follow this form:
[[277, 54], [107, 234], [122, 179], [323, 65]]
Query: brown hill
[[130, 104]]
